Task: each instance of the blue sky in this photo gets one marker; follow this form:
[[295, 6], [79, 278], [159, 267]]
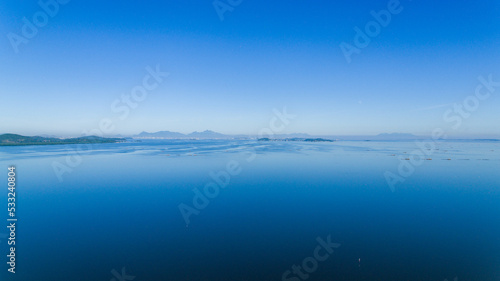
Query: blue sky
[[229, 75]]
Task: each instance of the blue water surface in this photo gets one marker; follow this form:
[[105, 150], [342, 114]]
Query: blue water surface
[[114, 208]]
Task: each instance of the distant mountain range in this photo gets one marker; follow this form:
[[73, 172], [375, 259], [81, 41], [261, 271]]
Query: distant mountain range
[[174, 135], [160, 134], [297, 140], [215, 135], [395, 136], [207, 135]]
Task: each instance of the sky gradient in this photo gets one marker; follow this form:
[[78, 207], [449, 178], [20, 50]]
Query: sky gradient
[[228, 75]]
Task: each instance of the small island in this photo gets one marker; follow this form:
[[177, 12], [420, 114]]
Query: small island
[[297, 139], [17, 140]]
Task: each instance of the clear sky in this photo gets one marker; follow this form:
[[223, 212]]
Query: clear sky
[[228, 75]]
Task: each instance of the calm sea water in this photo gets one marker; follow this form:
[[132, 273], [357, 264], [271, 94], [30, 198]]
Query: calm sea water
[[115, 214]]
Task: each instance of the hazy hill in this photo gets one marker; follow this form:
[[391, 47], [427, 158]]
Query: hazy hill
[[175, 135], [208, 135], [161, 134], [395, 136]]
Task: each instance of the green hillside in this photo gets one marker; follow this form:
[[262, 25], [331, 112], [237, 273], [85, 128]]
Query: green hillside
[[13, 139]]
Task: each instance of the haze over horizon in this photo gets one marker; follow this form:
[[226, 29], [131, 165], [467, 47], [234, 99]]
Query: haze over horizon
[[230, 75], [209, 134]]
